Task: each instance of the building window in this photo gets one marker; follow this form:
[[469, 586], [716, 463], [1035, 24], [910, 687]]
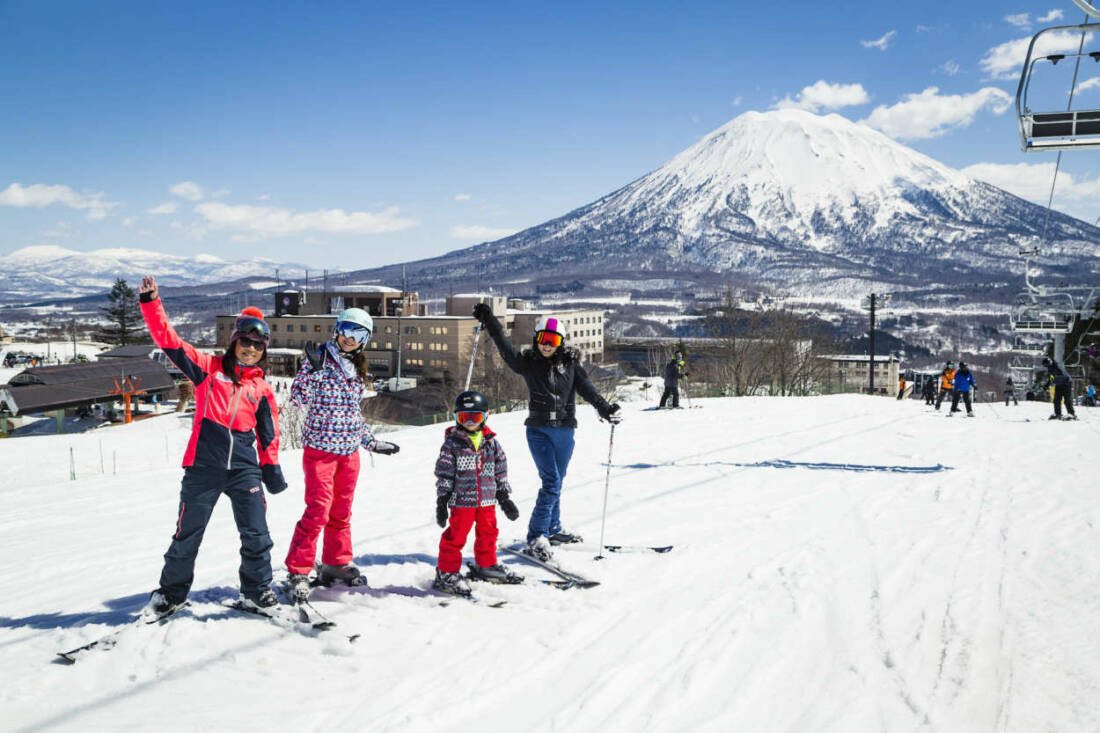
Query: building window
[[317, 328], [274, 327]]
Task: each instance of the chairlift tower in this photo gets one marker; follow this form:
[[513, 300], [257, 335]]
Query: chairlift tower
[[871, 302]]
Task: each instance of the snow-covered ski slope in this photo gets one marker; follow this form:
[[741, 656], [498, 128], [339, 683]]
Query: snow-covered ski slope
[[827, 576]]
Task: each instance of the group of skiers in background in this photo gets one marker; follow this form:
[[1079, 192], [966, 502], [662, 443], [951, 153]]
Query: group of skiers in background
[[959, 383], [234, 449]]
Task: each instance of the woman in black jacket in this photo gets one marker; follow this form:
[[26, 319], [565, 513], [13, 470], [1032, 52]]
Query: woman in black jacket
[[554, 376]]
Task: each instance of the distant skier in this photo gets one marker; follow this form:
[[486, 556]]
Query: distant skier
[[554, 376], [901, 388], [964, 382], [1062, 390], [329, 385], [471, 480], [1010, 393], [234, 446], [1090, 396], [928, 391], [947, 382], [674, 371]]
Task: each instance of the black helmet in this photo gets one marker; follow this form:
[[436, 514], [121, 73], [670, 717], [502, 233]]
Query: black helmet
[[471, 401], [962, 365], [1046, 361]]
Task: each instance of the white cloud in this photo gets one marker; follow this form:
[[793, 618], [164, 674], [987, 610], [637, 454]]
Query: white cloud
[[737, 101], [187, 190], [1004, 61], [463, 197], [1052, 16], [930, 114], [823, 95], [264, 197], [39, 195], [129, 221], [479, 233], [1020, 20], [1031, 181], [882, 43], [269, 221], [925, 28], [168, 207], [949, 67], [1087, 84]]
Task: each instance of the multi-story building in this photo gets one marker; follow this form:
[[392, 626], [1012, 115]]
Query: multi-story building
[[853, 370], [430, 344]]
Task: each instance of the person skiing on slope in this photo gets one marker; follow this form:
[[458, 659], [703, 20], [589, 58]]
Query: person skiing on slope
[[1010, 392], [234, 447], [901, 388], [471, 475], [964, 382], [1062, 392], [674, 370], [554, 375], [947, 382], [330, 386], [928, 391]]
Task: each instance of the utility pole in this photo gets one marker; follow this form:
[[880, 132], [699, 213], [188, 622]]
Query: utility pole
[[400, 340], [74, 339], [873, 301]]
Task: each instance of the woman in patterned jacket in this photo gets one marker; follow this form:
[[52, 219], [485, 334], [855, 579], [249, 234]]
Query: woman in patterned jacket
[[330, 386]]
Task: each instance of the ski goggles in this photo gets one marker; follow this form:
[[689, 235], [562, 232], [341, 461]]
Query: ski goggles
[[469, 417], [349, 330], [549, 338], [253, 328]]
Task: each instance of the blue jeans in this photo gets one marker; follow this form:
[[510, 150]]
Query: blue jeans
[[199, 493], [551, 448]]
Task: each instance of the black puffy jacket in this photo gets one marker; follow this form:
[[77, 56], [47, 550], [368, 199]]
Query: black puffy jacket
[[551, 383]]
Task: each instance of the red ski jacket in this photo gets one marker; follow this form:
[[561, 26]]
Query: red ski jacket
[[229, 418]]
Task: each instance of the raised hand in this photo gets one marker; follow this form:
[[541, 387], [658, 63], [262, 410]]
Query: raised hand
[[148, 289]]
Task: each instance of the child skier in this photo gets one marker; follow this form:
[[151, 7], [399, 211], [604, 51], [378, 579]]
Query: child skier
[[330, 386], [234, 447], [471, 478]]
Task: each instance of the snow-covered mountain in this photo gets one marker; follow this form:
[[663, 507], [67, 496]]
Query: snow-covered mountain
[[55, 271], [805, 202]]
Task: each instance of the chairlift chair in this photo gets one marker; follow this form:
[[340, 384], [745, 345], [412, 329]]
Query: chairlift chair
[[1043, 311], [1059, 129]]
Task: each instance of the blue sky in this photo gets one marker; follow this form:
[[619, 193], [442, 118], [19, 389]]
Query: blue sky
[[350, 134]]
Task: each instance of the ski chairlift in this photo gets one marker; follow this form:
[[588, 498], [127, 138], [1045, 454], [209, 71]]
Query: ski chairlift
[[1026, 346], [1061, 129], [1043, 311]]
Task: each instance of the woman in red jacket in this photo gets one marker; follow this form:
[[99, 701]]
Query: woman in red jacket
[[234, 446]]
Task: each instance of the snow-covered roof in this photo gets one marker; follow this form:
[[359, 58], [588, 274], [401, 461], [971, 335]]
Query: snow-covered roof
[[859, 357]]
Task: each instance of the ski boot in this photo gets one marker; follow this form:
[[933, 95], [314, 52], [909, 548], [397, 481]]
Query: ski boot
[[160, 605], [297, 587], [1070, 417], [539, 548], [1055, 417], [348, 575], [451, 583], [494, 574], [258, 601], [561, 537]]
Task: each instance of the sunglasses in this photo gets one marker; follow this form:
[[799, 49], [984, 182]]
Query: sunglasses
[[470, 418], [548, 338], [251, 343], [353, 331]]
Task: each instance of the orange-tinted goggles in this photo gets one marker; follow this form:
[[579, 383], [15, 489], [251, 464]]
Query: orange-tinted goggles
[[470, 418], [548, 337]]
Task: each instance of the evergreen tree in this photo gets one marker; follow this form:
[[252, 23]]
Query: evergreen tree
[[124, 313]]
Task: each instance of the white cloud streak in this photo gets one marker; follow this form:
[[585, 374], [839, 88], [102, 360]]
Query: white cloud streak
[[270, 221], [823, 95], [477, 233], [881, 44], [1052, 16], [1004, 61], [1020, 20], [168, 207], [187, 190], [1031, 181], [931, 114], [39, 195], [463, 197], [949, 67], [1087, 84]]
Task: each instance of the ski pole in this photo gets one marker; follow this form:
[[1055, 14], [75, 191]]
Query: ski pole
[[606, 486], [473, 357]]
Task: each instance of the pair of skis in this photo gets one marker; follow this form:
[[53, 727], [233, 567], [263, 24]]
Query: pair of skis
[[108, 641]]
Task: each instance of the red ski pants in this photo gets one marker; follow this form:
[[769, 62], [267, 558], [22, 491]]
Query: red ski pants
[[330, 487], [454, 537]]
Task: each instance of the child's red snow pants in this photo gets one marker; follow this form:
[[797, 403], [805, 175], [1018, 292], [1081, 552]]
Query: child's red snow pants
[[454, 537], [330, 487]]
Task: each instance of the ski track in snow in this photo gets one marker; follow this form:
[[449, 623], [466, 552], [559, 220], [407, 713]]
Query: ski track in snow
[[795, 599]]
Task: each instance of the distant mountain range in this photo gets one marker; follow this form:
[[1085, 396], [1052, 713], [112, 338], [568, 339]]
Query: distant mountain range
[[45, 272]]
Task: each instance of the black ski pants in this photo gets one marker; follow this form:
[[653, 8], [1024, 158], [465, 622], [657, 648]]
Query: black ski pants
[[1011, 395], [1062, 395], [672, 390], [199, 492], [943, 394], [955, 395]]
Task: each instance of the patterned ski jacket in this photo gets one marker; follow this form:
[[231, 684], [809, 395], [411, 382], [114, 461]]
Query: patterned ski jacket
[[236, 426], [334, 421], [551, 383], [472, 477]]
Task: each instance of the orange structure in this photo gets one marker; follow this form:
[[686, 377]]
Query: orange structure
[[130, 387]]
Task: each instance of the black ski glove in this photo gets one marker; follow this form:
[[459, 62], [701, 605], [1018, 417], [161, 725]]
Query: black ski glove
[[273, 478], [507, 505], [313, 354], [442, 513], [612, 413], [483, 312], [381, 446]]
